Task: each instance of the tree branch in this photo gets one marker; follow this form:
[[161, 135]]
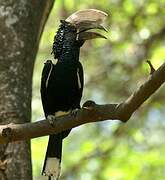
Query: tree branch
[[90, 112]]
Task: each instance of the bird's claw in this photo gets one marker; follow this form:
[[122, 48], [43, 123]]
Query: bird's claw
[[74, 112], [51, 119]]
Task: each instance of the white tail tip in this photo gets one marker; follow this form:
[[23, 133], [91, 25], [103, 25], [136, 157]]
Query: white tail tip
[[52, 168]]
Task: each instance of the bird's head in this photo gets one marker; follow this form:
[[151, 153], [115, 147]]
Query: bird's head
[[75, 30]]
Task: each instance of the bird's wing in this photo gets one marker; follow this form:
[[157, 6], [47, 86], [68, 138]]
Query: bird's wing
[[44, 83], [80, 77]]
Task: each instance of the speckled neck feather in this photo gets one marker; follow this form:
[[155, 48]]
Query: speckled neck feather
[[65, 46]]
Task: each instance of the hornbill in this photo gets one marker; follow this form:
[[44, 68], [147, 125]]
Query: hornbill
[[62, 81]]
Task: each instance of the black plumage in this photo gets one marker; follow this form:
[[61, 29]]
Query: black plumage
[[62, 82]]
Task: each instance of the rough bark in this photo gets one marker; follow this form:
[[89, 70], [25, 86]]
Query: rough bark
[[91, 112], [21, 25]]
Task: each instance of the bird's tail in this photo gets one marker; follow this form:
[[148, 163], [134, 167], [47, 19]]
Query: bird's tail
[[52, 161]]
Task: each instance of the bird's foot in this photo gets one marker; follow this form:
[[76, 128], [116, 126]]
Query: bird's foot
[[74, 112], [89, 105], [51, 119]]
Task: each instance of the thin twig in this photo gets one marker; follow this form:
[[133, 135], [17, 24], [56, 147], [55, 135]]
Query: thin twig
[[152, 70]]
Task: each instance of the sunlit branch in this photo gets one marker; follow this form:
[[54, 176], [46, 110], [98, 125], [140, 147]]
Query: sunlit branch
[[90, 112]]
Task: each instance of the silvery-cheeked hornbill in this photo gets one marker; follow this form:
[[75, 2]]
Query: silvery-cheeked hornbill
[[62, 82]]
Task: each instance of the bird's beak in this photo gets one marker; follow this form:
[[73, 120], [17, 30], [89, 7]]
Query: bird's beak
[[86, 20]]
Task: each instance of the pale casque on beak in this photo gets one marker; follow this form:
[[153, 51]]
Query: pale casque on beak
[[88, 19]]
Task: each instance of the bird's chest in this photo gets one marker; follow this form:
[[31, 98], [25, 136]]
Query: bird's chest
[[64, 77], [63, 87], [64, 80]]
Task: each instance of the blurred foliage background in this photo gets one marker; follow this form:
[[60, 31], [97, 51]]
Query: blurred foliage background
[[114, 68]]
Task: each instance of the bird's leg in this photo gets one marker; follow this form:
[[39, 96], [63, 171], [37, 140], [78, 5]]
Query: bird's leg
[[51, 119]]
